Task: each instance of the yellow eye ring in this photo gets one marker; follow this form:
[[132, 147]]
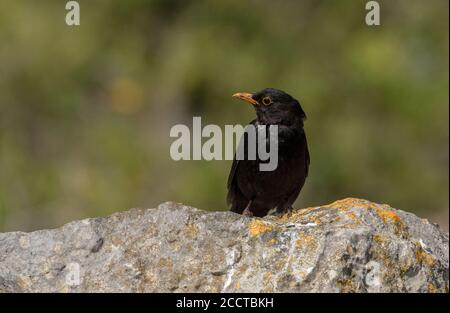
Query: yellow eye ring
[[267, 101]]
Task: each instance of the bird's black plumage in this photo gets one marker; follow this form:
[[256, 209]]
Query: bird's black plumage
[[255, 192]]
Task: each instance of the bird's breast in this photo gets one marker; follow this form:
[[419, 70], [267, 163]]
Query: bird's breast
[[288, 174]]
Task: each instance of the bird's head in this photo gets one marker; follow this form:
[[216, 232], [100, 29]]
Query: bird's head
[[274, 106]]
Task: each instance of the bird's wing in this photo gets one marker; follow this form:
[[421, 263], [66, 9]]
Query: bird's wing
[[235, 164], [307, 160]]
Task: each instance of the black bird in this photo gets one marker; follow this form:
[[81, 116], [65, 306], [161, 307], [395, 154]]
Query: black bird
[[255, 192]]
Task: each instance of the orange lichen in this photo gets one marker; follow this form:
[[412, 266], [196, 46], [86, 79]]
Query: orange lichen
[[296, 214], [347, 203], [353, 217], [285, 217], [387, 215], [258, 227], [379, 239], [267, 276], [327, 213], [306, 240], [268, 282], [317, 220], [383, 211], [424, 257], [432, 288]]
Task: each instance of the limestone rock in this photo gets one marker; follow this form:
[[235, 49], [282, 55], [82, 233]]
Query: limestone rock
[[351, 245]]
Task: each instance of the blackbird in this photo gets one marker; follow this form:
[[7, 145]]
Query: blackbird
[[254, 192]]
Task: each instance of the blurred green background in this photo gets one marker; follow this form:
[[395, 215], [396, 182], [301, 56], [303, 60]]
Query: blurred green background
[[85, 112]]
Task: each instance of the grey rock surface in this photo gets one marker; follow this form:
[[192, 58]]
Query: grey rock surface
[[351, 245]]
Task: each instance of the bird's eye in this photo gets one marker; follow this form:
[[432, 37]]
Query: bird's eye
[[267, 101]]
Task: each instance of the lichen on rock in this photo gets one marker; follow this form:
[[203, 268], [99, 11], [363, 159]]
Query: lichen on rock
[[351, 245]]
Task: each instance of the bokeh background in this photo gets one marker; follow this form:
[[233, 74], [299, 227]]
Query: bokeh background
[[85, 112]]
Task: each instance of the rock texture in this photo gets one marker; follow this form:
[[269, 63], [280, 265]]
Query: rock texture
[[351, 245]]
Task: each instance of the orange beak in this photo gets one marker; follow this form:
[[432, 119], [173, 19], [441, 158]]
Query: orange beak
[[247, 97]]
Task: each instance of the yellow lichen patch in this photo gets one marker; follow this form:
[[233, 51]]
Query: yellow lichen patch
[[257, 227], [272, 242], [384, 211], [296, 214], [424, 257], [302, 274], [268, 282], [317, 220], [347, 203], [267, 277], [379, 239], [349, 206], [191, 230], [353, 217], [310, 215], [289, 216], [387, 215], [285, 217], [432, 288], [306, 241]]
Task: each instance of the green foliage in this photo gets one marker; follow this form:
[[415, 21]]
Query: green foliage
[[85, 112]]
